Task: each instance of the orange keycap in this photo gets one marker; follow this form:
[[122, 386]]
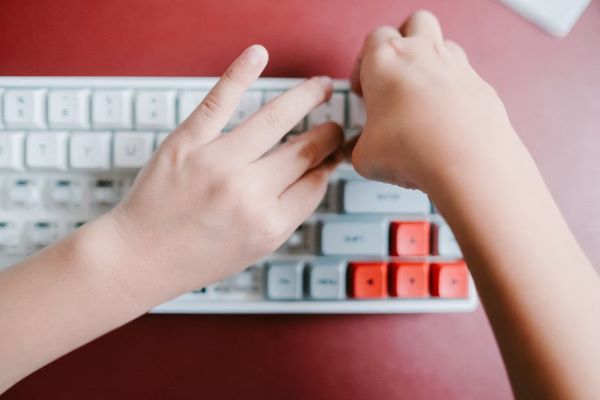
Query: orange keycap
[[410, 238], [409, 279], [450, 280], [368, 279]]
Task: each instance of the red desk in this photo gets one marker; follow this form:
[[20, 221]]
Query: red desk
[[551, 88]]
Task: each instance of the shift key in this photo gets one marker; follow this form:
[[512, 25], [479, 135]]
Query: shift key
[[361, 196], [354, 237]]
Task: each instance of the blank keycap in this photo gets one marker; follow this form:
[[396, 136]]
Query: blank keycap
[[445, 242], [132, 149], [368, 279], [450, 280], [331, 110], [112, 109], [409, 279], [155, 109], [327, 280], [25, 109], [47, 150], [11, 150], [188, 101], [357, 238], [69, 108], [90, 150], [248, 105], [284, 280], [362, 196], [410, 238]]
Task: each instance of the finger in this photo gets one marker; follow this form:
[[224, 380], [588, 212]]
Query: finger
[[375, 38], [304, 196], [456, 49], [291, 160], [208, 119], [267, 126], [423, 23]]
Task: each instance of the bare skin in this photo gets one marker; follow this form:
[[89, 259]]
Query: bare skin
[[432, 123]]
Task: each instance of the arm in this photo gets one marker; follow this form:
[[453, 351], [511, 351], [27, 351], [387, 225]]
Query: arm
[[433, 123], [206, 206]]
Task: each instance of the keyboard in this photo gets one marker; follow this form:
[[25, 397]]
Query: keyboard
[[70, 148]]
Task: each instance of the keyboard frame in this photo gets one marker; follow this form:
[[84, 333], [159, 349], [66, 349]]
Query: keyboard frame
[[191, 304]]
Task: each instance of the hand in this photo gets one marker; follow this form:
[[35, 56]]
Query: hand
[[429, 114], [207, 205]]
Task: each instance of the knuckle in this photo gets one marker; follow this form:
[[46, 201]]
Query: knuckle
[[274, 116], [211, 106], [309, 151]]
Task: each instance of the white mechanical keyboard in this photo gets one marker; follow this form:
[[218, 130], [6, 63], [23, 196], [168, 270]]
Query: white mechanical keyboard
[[70, 149]]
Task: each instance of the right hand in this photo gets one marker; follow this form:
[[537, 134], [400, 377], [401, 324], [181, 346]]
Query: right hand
[[428, 112]]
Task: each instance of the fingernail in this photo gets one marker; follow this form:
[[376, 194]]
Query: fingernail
[[254, 54]]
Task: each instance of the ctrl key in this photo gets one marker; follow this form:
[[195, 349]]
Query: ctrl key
[[284, 280], [450, 280]]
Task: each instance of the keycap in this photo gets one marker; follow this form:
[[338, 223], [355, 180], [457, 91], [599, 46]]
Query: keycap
[[46, 150], [354, 237], [327, 280], [43, 233], [284, 280], [368, 279], [188, 101], [445, 243], [155, 109], [106, 193], [90, 150], [132, 149], [362, 196], [69, 109], [25, 108], [10, 235], [1, 109], [66, 193], [409, 279], [409, 238], [249, 104], [12, 150], [24, 193], [112, 109], [331, 110], [160, 137], [356, 110], [450, 280], [272, 94]]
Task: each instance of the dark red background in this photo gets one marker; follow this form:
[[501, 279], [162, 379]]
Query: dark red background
[[551, 88]]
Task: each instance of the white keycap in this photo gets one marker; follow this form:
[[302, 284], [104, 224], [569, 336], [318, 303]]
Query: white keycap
[[10, 235], [69, 108], [354, 238], [155, 109], [43, 233], [160, 137], [357, 114], [332, 110], [132, 149], [1, 109], [249, 104], [362, 196], [65, 193], [188, 101], [25, 109], [90, 150], [111, 109], [446, 245], [11, 150], [327, 280], [24, 193], [284, 280], [272, 94], [106, 193], [46, 150]]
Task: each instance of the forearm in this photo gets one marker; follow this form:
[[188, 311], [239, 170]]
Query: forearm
[[61, 298], [540, 292]]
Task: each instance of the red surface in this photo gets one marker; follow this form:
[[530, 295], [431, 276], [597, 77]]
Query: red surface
[[450, 280], [368, 280], [550, 86], [410, 238], [409, 279]]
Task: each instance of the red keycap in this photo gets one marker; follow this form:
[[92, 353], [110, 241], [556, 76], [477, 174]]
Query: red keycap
[[409, 279], [450, 280], [368, 279], [410, 238]]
